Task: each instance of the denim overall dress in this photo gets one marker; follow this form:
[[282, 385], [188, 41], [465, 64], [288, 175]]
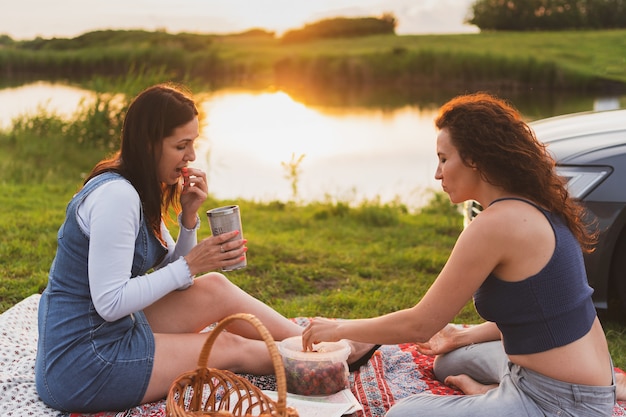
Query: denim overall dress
[[84, 363]]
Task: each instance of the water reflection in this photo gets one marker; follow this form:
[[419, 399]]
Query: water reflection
[[354, 149], [355, 155], [26, 99]]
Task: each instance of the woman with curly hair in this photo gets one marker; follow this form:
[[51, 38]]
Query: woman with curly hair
[[520, 260]]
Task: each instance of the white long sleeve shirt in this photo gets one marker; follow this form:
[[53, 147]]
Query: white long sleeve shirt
[[111, 217]]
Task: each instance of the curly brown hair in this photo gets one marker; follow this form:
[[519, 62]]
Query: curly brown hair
[[490, 134]]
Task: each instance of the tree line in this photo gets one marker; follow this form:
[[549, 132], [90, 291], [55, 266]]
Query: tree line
[[493, 15], [526, 15], [342, 27]]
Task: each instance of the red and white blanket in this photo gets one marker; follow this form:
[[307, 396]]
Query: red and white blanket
[[394, 372]]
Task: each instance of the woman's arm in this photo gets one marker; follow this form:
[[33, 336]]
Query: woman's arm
[[475, 255], [186, 240], [112, 216], [453, 337]]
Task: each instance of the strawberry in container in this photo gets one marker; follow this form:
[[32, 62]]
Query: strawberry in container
[[323, 371]]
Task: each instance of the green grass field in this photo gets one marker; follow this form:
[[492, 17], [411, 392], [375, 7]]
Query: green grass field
[[596, 53], [568, 60], [337, 259]]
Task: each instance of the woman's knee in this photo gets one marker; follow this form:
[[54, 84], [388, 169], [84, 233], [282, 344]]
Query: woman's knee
[[484, 362], [213, 283]]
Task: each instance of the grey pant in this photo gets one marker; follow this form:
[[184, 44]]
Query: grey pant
[[521, 392], [484, 362]]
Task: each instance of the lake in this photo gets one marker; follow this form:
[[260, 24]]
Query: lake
[[351, 152]]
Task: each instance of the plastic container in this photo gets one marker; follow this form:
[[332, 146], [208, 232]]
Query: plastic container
[[320, 372]]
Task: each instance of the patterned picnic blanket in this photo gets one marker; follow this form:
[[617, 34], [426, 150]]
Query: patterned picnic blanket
[[394, 372]]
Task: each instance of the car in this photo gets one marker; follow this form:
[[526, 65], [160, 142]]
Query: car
[[590, 153]]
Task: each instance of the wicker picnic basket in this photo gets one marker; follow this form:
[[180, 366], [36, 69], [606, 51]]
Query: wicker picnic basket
[[214, 392]]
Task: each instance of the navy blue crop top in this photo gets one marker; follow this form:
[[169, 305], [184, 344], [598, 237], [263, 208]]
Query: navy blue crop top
[[546, 310]]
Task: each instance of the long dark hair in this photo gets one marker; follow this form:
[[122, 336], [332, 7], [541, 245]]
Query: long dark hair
[[152, 116], [490, 133]]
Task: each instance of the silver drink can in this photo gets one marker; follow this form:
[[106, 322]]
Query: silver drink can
[[226, 219]]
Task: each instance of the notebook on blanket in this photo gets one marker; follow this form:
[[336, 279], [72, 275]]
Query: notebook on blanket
[[394, 372]]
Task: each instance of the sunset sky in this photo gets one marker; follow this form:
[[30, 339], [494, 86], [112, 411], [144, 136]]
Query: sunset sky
[[27, 19]]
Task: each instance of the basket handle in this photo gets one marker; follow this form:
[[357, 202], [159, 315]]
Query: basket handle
[[279, 369]]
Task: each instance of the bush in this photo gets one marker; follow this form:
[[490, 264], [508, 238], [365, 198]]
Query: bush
[[548, 14], [342, 27]]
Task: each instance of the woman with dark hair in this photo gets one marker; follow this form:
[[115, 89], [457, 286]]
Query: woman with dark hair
[[520, 260], [120, 317]]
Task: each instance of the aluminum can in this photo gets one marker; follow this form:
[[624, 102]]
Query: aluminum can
[[226, 219]]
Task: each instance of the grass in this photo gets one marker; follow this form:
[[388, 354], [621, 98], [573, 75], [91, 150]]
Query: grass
[[31, 217], [322, 258], [598, 53], [337, 259], [330, 259], [567, 60]]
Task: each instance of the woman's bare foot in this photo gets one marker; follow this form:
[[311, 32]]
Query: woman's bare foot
[[468, 385], [620, 386], [360, 353]]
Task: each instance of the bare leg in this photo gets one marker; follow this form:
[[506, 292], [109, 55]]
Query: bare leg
[[178, 353], [468, 385], [360, 351], [211, 298], [177, 319]]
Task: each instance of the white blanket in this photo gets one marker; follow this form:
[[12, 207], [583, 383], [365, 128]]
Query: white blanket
[[18, 347], [393, 373]]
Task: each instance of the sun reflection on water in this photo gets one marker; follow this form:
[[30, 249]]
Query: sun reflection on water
[[355, 155], [350, 154]]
